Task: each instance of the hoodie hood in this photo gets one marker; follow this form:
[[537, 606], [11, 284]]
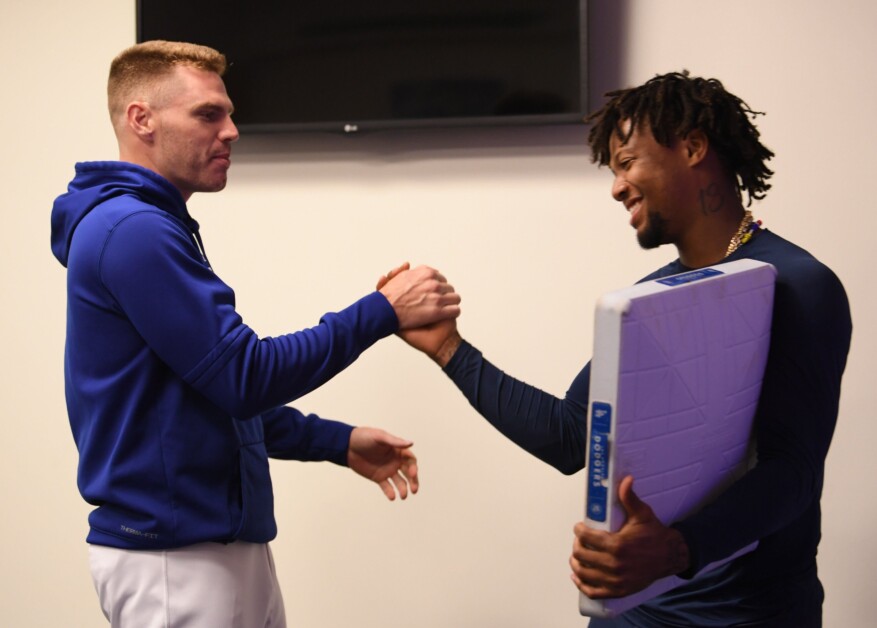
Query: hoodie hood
[[99, 181]]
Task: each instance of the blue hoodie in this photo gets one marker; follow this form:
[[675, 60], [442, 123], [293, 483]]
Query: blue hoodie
[[174, 403]]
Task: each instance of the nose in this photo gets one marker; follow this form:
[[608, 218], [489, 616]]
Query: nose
[[229, 132], [619, 188]]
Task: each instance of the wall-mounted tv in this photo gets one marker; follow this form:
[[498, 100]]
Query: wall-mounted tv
[[353, 65]]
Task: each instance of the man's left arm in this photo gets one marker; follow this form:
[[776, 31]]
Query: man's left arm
[[383, 458]]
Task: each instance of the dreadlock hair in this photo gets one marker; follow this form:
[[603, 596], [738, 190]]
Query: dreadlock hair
[[674, 104]]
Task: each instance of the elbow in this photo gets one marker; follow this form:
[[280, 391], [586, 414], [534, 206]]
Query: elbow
[[569, 468], [248, 411], [568, 465], [242, 409], [572, 459], [567, 462], [244, 402]]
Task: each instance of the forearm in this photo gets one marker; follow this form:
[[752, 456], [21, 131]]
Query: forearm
[[291, 435], [552, 429], [251, 375]]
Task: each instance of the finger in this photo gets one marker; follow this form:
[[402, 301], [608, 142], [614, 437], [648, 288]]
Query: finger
[[443, 293], [443, 312], [451, 298], [432, 272], [588, 539], [388, 489], [585, 582], [409, 470], [593, 592], [439, 300], [584, 559], [401, 267], [385, 278], [578, 569], [446, 289], [579, 584], [401, 485]]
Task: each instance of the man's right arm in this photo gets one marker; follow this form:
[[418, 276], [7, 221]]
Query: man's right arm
[[186, 315], [552, 429]]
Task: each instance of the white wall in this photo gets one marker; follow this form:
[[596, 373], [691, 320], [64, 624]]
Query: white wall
[[522, 224]]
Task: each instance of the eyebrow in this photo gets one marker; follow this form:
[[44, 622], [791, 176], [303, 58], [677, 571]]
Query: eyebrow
[[214, 106]]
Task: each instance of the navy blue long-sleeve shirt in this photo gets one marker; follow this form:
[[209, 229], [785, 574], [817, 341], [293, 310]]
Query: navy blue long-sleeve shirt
[[776, 503]]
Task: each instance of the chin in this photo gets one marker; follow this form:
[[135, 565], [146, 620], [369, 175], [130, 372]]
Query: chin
[[649, 239], [214, 187], [653, 233]]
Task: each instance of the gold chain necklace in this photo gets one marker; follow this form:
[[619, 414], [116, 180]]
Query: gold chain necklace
[[747, 227]]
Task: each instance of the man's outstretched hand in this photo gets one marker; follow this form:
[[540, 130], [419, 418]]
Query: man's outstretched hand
[[384, 459]]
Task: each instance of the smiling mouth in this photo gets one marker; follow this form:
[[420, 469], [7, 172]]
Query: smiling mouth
[[634, 208]]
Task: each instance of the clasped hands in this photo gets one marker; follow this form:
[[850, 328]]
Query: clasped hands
[[436, 335]]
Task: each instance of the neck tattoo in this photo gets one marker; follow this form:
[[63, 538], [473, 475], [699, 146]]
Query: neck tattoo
[[744, 233]]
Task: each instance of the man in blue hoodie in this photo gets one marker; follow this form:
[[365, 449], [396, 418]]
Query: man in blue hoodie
[[174, 403]]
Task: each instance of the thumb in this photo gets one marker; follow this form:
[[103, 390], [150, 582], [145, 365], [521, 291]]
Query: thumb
[[385, 278], [630, 501]]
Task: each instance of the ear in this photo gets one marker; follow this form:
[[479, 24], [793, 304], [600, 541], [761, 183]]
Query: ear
[[141, 120], [696, 145]]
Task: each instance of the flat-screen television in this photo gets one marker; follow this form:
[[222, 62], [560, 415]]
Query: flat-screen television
[[353, 65]]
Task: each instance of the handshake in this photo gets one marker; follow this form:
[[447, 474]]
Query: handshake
[[427, 307]]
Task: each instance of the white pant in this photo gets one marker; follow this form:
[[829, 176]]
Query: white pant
[[209, 585]]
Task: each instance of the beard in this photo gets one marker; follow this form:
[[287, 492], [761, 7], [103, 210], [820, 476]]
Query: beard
[[654, 232]]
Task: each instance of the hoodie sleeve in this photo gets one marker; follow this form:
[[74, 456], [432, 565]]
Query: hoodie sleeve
[[291, 435], [185, 314]]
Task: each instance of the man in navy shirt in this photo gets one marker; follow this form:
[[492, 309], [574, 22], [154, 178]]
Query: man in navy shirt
[[683, 151]]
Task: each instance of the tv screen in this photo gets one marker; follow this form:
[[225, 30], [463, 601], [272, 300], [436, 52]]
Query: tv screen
[[350, 65]]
